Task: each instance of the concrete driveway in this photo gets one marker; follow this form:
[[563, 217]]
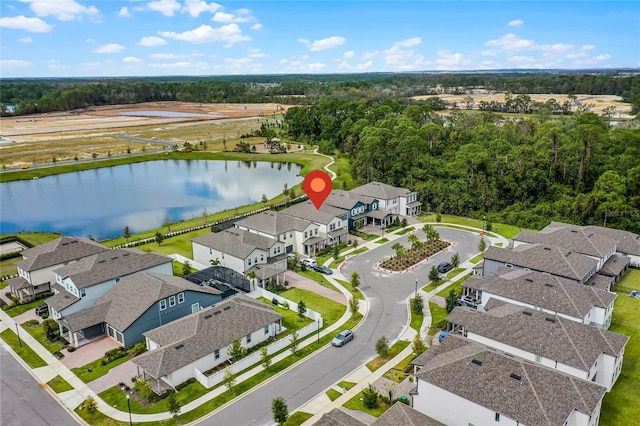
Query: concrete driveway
[[88, 353], [298, 281], [122, 373]]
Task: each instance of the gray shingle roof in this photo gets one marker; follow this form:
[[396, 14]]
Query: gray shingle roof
[[601, 282], [58, 251], [273, 223], [381, 191], [18, 283], [204, 332], [235, 242], [337, 417], [545, 258], [307, 211], [347, 199], [615, 265], [569, 342], [62, 300], [109, 265], [80, 320], [546, 291], [575, 239], [402, 415], [536, 395], [627, 242]]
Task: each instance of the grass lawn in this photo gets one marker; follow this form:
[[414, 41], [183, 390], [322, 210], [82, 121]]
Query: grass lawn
[[342, 168], [58, 384], [21, 309], [8, 267], [382, 240], [346, 385], [356, 293], [24, 351], [297, 418], [319, 278], [38, 333], [416, 319], [507, 231], [394, 350], [358, 251], [432, 286], [331, 311], [355, 403], [291, 320], [397, 373], [623, 402], [89, 372], [477, 258], [457, 286], [405, 230], [333, 394], [438, 313], [454, 272]]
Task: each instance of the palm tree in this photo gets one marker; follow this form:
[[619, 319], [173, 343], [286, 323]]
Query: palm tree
[[214, 262], [400, 250], [252, 276], [416, 244]]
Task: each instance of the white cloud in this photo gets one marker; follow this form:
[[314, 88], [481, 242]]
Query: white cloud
[[226, 18], [587, 47], [196, 7], [25, 40], [124, 12], [256, 53], [515, 23], [602, 57], [369, 55], [54, 64], [349, 54], [489, 52], [13, 63], [410, 42], [109, 48], [166, 7], [89, 40], [325, 43], [448, 61], [166, 56], [315, 67], [284, 61], [521, 59], [63, 10], [401, 57], [205, 34], [257, 26], [131, 60], [151, 41], [182, 65], [511, 42], [35, 25]]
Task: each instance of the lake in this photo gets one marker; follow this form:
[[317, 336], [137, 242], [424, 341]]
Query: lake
[[101, 202]]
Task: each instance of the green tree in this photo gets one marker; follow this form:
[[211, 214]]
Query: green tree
[[354, 304], [434, 276], [482, 245], [382, 347], [264, 357], [370, 397], [229, 378], [50, 328], [295, 342], [455, 260], [127, 233], [186, 268], [355, 279], [252, 276], [91, 406], [415, 242], [417, 304], [302, 309], [336, 252], [452, 300], [159, 237], [236, 351], [400, 250], [264, 199], [173, 405], [280, 410], [418, 345], [214, 262]]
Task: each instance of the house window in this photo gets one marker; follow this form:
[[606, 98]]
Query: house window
[[163, 305], [497, 417], [172, 301], [195, 307], [290, 234], [316, 231], [305, 234], [180, 297], [262, 258], [538, 358], [83, 292], [248, 338], [249, 260], [216, 354], [266, 330]]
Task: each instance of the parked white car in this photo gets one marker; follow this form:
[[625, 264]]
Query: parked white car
[[311, 263]]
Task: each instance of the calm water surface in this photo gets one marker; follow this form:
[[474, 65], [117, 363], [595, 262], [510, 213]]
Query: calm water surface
[[101, 202]]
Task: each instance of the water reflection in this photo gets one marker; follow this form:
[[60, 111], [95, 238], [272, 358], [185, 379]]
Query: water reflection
[[141, 196]]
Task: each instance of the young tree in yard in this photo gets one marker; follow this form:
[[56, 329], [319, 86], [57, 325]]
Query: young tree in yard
[[50, 327], [264, 199], [236, 351], [370, 397], [252, 276], [280, 410], [302, 309], [229, 380], [418, 345], [336, 252], [127, 234], [452, 300], [455, 260], [355, 280], [159, 238], [91, 406], [382, 347], [434, 276], [186, 268], [415, 242], [354, 304], [295, 341], [417, 304], [264, 357], [174, 405], [482, 245], [399, 249], [214, 262]]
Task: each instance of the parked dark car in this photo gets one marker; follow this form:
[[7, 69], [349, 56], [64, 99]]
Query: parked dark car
[[444, 267], [343, 337], [323, 269], [42, 309]]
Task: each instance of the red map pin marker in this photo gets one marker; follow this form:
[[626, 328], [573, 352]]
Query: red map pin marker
[[317, 186]]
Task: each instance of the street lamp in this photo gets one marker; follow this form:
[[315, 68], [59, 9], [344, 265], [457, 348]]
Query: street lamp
[[415, 294], [129, 407], [484, 220], [318, 322]]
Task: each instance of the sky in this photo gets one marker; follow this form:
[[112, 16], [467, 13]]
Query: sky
[[69, 38]]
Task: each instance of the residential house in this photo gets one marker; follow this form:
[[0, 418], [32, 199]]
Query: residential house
[[244, 252], [398, 415], [79, 284], [361, 210], [464, 383], [35, 270], [201, 340], [399, 201], [577, 349], [136, 304], [543, 292], [281, 227], [553, 260]]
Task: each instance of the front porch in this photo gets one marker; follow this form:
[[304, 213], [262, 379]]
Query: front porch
[[24, 291], [414, 208], [265, 273], [312, 245]]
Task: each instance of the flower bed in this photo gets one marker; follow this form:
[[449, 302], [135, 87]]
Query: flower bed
[[414, 256]]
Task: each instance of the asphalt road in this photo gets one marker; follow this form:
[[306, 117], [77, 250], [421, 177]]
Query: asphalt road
[[387, 294], [23, 401]]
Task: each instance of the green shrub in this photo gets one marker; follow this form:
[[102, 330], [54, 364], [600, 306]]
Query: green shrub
[[32, 323], [145, 391]]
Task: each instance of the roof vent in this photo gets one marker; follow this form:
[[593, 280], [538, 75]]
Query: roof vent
[[125, 254], [574, 231], [217, 312], [101, 261], [476, 361], [550, 319], [548, 248], [208, 316], [590, 235], [526, 313], [548, 285], [529, 280], [515, 376], [114, 258], [179, 346], [226, 308], [568, 254]]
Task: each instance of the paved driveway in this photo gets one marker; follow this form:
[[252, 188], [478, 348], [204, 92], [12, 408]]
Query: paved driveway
[[122, 373], [387, 294], [87, 353], [298, 281]]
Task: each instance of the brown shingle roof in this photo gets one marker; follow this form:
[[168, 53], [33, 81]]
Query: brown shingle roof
[[200, 334], [600, 282], [235, 242], [569, 342], [615, 265], [518, 389], [543, 290], [58, 251], [337, 417], [575, 239], [402, 415], [544, 258], [109, 265], [626, 242], [273, 223]]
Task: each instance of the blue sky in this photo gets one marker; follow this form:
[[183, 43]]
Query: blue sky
[[69, 38]]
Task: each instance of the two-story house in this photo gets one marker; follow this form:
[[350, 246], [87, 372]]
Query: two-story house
[[36, 269], [79, 284], [361, 209], [399, 201], [586, 352], [136, 304], [281, 227], [461, 382]]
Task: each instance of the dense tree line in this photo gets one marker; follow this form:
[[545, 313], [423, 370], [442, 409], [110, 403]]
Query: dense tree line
[[521, 171], [36, 96]]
